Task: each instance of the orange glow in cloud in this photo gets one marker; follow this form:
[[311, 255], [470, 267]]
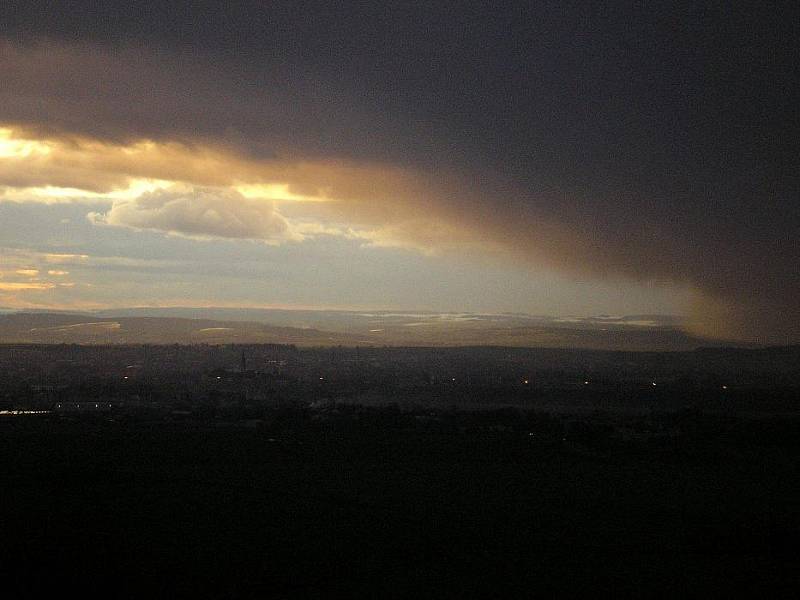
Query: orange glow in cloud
[[379, 204]]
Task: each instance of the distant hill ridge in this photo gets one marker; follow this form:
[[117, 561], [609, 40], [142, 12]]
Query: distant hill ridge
[[346, 328], [53, 328]]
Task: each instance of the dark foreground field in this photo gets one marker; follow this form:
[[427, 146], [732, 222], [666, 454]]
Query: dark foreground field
[[383, 509]]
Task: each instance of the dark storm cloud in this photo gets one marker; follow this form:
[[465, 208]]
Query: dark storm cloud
[[657, 142]]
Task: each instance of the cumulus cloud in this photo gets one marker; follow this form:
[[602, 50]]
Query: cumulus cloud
[[200, 212]]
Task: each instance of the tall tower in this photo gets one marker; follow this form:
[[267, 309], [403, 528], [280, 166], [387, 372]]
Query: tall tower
[[244, 362]]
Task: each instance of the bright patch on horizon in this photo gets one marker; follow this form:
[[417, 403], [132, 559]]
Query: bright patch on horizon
[[94, 326], [16, 286]]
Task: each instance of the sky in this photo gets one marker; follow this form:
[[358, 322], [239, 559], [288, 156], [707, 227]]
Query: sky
[[550, 158]]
